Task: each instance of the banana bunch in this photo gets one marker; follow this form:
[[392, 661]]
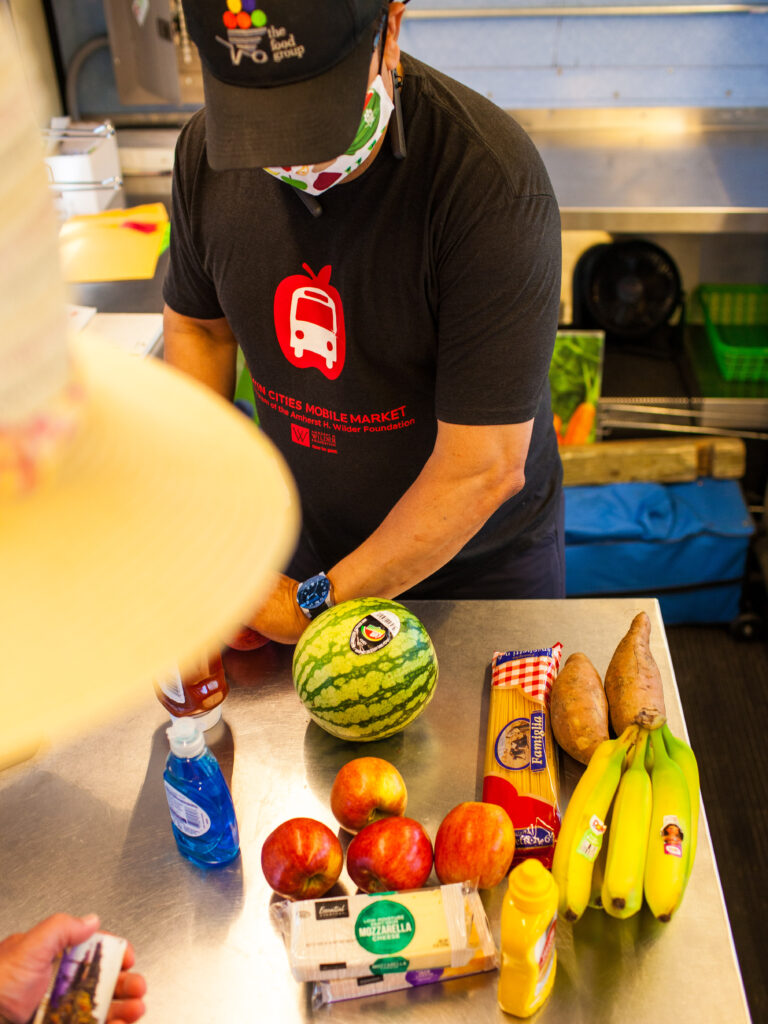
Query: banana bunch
[[641, 793]]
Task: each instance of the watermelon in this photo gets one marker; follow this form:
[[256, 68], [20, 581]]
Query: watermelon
[[365, 668]]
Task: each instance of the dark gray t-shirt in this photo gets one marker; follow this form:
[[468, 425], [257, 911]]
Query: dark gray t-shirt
[[428, 289]]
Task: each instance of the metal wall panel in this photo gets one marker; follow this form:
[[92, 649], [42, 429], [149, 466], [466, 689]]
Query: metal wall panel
[[588, 59]]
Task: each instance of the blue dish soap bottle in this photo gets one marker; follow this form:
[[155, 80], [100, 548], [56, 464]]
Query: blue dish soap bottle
[[202, 812]]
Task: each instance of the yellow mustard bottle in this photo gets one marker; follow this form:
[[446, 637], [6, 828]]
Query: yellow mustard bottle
[[528, 922]]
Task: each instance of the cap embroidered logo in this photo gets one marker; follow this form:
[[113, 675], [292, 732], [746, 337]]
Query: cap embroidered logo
[[246, 30], [243, 44]]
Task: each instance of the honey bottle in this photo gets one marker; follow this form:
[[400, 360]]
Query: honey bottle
[[198, 693]]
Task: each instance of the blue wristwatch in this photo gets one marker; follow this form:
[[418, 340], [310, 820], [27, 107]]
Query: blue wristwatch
[[314, 595]]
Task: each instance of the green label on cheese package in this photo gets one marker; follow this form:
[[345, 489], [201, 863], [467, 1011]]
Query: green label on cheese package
[[384, 927], [389, 965]]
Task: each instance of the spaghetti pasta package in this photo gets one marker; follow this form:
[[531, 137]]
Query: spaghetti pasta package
[[520, 771]]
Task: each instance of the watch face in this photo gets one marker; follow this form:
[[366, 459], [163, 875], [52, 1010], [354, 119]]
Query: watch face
[[313, 593]]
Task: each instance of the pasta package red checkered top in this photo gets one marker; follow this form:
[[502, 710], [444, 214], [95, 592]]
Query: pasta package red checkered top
[[520, 771]]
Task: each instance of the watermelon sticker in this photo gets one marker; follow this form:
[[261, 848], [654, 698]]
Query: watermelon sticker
[[374, 632]]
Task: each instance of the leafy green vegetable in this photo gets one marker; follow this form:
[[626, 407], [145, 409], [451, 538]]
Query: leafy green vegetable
[[576, 370]]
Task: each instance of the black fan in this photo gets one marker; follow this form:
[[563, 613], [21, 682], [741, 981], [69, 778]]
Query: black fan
[[628, 289]]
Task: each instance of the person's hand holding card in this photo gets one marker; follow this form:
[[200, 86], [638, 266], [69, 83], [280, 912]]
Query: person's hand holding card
[[93, 973]]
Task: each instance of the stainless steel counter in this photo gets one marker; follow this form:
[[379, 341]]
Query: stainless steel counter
[[86, 827]]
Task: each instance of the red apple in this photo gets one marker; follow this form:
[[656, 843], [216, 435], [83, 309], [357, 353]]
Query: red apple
[[365, 790], [390, 854], [475, 843], [247, 639], [302, 858]]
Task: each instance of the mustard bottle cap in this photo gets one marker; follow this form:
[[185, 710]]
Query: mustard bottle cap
[[530, 884]]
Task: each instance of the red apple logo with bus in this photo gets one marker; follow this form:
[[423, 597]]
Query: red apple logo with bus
[[309, 322]]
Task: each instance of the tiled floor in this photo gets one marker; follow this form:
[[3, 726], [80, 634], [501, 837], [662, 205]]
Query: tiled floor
[[723, 685]]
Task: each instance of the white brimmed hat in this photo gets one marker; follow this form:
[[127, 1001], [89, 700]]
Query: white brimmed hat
[[141, 516]]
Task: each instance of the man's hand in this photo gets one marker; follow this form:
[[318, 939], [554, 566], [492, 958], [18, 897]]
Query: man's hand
[[26, 966], [280, 617], [127, 1004]]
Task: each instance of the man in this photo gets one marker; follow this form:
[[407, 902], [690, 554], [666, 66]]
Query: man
[[396, 307]]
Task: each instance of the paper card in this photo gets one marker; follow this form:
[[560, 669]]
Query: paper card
[[84, 982], [136, 333], [78, 317]]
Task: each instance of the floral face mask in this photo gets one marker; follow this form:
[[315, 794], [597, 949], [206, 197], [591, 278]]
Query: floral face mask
[[376, 113]]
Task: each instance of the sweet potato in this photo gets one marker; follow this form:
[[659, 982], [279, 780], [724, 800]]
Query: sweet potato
[[579, 708], [633, 681]]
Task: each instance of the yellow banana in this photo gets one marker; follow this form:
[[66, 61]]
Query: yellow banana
[[669, 835], [598, 872], [591, 774], [622, 891], [685, 758], [581, 833]]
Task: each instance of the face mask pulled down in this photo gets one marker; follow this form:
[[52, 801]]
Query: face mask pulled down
[[317, 180]]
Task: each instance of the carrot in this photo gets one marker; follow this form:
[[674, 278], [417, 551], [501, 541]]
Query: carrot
[[558, 425], [580, 424]]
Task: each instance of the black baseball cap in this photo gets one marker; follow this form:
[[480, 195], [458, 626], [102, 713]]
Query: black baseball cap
[[284, 80]]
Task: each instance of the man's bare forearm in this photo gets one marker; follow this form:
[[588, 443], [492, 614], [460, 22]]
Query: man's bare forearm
[[471, 471], [460, 487], [205, 349], [425, 529]]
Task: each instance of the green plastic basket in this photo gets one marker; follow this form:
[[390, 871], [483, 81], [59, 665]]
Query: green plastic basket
[[736, 322]]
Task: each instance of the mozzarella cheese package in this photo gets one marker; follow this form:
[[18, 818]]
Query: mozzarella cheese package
[[484, 958], [380, 933], [520, 771]]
